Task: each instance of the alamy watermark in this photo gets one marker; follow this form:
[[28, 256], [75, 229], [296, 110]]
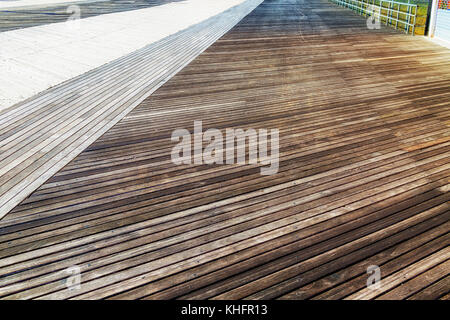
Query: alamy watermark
[[73, 281], [374, 280], [373, 22], [263, 147], [73, 22]]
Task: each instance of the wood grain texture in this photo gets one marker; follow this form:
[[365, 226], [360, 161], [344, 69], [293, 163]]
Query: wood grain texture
[[363, 179]]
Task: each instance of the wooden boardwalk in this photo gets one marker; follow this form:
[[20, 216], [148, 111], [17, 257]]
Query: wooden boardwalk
[[41, 134], [364, 120]]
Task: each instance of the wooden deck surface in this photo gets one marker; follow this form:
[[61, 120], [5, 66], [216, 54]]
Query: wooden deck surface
[[40, 135], [363, 180]]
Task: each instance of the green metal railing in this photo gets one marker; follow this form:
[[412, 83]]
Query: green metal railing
[[397, 14]]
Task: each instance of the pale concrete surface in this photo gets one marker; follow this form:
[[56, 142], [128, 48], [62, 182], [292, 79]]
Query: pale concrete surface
[[439, 41], [37, 58], [9, 4]]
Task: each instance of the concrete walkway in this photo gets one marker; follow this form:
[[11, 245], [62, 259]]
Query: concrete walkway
[[29, 3], [35, 59]]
